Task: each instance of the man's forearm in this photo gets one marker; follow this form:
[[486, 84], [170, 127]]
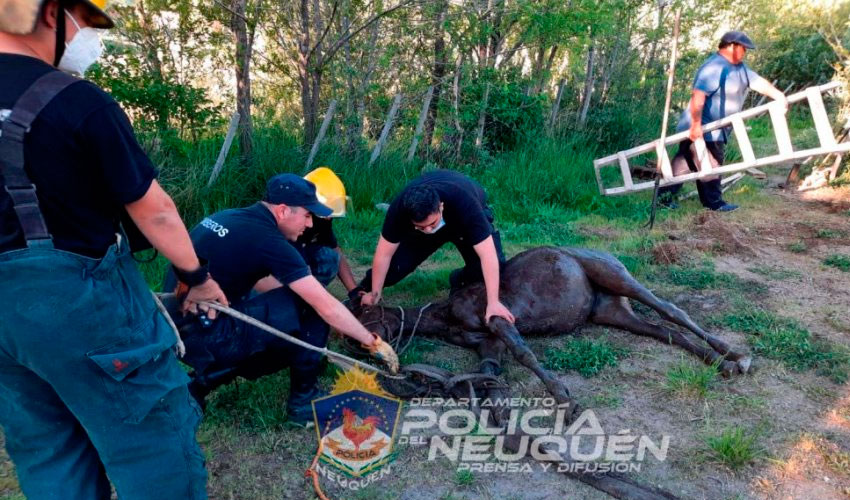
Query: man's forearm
[[336, 315], [157, 218], [381, 262], [329, 309], [764, 87], [489, 268]]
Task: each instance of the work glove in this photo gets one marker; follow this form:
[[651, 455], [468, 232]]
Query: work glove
[[384, 352]]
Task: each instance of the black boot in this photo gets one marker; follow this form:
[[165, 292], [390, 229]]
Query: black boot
[[299, 407], [201, 385]]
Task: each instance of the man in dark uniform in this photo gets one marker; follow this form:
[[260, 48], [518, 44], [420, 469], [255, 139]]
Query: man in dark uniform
[[432, 210], [318, 245], [89, 383], [250, 249]]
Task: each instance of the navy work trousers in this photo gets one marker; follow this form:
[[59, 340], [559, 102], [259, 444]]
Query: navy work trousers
[[229, 347]]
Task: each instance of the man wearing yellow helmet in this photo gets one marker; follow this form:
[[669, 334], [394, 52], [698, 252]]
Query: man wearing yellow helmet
[[89, 384], [318, 245]]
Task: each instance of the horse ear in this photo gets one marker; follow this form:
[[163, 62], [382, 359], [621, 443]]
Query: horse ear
[[354, 304]]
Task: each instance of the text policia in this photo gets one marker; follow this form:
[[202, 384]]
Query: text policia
[[467, 438]]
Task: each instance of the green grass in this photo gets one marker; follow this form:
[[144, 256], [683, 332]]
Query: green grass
[[775, 272], [703, 276], [586, 356], [464, 477], [829, 234], [838, 261], [255, 406], [798, 247], [735, 447], [689, 379], [785, 340], [417, 351]]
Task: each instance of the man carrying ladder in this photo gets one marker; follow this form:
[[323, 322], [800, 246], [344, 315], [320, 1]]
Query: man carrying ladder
[[720, 87]]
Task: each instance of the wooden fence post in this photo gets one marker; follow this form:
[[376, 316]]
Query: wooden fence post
[[482, 117], [324, 128], [421, 123], [385, 133], [222, 155], [557, 106]]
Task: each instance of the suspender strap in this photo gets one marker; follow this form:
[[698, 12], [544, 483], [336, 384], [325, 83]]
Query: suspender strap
[[14, 129]]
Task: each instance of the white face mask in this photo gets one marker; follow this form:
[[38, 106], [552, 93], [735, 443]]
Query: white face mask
[[82, 51], [438, 227]]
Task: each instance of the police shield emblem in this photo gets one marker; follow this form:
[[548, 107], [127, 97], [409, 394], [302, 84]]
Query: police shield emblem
[[356, 424]]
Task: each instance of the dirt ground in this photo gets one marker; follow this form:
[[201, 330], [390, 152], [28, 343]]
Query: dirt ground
[[801, 419]]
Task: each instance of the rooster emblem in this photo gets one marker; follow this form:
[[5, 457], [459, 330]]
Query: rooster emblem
[[357, 429]]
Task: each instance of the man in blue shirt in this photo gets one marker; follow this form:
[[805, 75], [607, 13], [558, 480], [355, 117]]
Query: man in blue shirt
[[719, 90]]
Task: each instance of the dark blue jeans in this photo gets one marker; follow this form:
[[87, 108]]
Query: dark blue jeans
[[230, 347], [323, 262], [89, 384]]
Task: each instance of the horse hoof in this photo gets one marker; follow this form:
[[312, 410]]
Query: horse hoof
[[729, 368], [573, 411], [745, 364]]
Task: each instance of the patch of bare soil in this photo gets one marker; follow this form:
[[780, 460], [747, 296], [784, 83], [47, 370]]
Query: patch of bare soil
[[708, 232]]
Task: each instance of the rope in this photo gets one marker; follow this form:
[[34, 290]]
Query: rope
[[340, 360], [311, 473], [181, 347], [397, 340], [413, 332]]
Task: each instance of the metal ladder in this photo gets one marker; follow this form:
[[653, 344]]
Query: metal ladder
[[786, 153]]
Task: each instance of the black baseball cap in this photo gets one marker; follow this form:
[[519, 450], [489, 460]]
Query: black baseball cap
[[294, 191], [738, 37]]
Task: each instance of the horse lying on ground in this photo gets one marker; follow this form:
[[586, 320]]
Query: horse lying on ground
[[549, 291]]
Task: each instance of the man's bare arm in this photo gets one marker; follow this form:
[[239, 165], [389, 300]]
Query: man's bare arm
[[157, 218]]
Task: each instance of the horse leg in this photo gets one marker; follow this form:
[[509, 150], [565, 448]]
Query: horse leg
[[605, 271], [491, 350], [507, 333], [615, 311]]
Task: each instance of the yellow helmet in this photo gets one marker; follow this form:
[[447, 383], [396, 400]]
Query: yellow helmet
[[19, 17], [329, 190]]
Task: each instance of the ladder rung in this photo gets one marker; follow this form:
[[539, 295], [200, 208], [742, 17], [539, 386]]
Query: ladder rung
[[820, 117], [743, 139], [780, 129], [624, 169], [703, 159]]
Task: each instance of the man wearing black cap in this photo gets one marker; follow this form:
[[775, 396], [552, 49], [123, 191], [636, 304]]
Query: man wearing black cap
[[719, 90], [251, 245]]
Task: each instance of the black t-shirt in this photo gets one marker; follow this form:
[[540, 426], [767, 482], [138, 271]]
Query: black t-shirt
[[464, 208], [83, 158], [244, 245], [322, 234]]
